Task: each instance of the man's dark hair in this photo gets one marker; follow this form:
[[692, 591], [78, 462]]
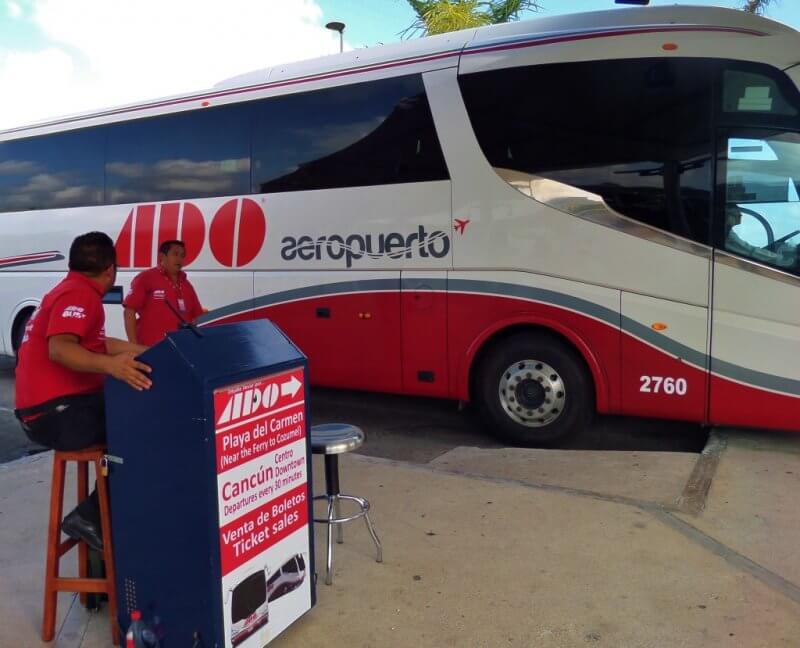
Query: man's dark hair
[[166, 246], [92, 253]]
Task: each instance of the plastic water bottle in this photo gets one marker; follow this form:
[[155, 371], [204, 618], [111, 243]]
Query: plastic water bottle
[[133, 638], [140, 635]]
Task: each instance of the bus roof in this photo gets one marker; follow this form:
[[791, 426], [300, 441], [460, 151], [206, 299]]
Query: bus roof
[[434, 51]]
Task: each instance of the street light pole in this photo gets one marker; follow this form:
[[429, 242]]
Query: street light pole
[[338, 27]]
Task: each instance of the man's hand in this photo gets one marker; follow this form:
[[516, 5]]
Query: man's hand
[[124, 367]]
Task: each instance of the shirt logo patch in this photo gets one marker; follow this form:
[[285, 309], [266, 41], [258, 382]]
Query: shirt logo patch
[[158, 294], [74, 312]]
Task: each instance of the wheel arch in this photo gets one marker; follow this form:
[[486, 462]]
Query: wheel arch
[[19, 314], [499, 331]]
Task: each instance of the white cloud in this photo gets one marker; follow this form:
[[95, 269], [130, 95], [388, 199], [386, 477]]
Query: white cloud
[[14, 10], [17, 167], [104, 53]]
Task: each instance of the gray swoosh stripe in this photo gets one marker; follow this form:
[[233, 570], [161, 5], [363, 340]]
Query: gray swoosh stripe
[[756, 378], [725, 369], [660, 341], [424, 283], [538, 294], [722, 368]]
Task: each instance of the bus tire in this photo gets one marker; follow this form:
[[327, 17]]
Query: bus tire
[[534, 390]]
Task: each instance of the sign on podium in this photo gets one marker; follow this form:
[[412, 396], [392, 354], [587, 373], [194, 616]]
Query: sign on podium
[[210, 474]]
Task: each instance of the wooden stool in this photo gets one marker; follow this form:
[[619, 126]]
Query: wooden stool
[[53, 583]]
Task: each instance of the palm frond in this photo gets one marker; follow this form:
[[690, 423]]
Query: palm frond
[[756, 6]]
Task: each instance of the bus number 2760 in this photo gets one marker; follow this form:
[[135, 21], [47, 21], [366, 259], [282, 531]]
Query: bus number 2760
[[659, 384]]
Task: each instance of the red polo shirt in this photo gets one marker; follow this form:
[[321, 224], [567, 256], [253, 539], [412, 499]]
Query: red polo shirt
[[149, 290], [74, 306]]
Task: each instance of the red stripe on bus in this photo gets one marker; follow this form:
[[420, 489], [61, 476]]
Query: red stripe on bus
[[29, 257], [535, 42]]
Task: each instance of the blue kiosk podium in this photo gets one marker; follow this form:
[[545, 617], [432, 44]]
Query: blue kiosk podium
[[209, 476]]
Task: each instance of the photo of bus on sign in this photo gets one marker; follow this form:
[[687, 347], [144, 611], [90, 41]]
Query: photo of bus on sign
[[249, 600], [249, 608]]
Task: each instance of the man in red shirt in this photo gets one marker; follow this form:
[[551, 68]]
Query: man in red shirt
[[63, 360], [159, 296]]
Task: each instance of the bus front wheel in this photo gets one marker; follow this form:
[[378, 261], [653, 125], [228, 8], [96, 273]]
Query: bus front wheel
[[534, 390]]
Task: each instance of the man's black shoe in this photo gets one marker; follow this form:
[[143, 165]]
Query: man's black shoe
[[80, 528]]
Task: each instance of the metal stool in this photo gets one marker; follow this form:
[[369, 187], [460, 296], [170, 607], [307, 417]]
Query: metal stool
[[331, 440], [53, 581]]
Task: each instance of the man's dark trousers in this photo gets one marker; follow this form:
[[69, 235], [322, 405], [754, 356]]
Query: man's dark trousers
[[70, 423]]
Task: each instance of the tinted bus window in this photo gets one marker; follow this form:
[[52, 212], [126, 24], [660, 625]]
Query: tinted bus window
[[195, 154], [755, 94], [248, 596], [61, 170], [634, 134], [373, 133]]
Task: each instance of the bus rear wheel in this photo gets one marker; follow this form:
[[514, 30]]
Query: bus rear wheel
[[534, 390]]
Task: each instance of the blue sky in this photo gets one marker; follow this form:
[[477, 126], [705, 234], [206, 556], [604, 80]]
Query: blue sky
[[65, 56]]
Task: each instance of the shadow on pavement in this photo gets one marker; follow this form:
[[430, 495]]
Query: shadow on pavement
[[416, 427]]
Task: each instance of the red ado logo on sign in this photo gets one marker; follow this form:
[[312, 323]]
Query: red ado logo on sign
[[237, 232], [258, 399]]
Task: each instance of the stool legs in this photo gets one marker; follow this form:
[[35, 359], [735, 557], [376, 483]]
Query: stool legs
[[53, 582], [83, 549], [108, 555], [374, 535], [332, 488], [333, 498], [339, 527], [329, 558], [53, 547]]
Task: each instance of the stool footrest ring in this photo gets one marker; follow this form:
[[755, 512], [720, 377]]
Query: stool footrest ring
[[335, 519], [362, 503]]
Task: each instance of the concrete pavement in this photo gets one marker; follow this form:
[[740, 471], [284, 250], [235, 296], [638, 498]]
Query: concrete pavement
[[540, 548]]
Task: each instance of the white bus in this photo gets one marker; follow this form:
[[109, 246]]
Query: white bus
[[595, 212]]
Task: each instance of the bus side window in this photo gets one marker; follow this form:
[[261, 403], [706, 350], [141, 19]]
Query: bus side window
[[629, 136], [165, 158], [53, 171], [759, 165], [761, 174], [362, 134]]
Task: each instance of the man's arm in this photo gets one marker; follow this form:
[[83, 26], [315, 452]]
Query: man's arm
[[130, 325], [65, 349], [115, 346]]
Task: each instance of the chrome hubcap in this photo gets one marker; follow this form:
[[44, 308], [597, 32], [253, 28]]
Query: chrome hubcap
[[532, 393]]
